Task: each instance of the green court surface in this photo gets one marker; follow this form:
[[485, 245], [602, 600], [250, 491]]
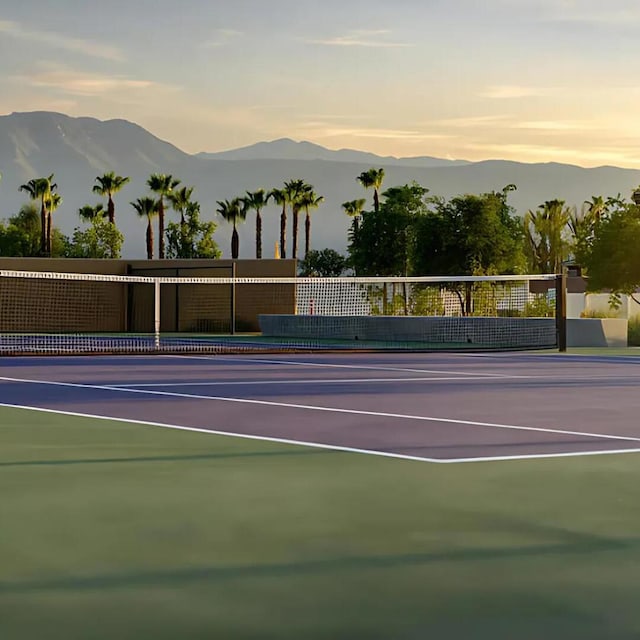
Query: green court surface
[[115, 530]]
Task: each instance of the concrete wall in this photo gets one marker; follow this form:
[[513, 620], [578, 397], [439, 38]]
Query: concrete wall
[[449, 331], [596, 332]]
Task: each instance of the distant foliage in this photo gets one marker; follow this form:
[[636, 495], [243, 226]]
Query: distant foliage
[[192, 238], [101, 239], [324, 263]]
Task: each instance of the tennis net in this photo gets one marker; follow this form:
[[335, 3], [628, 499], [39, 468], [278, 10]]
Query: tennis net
[[45, 312]]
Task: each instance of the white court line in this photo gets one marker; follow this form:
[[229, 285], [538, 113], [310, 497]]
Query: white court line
[[308, 407], [344, 366], [310, 381], [317, 445]]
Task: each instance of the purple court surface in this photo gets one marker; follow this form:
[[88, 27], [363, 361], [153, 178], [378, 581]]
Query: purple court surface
[[432, 407]]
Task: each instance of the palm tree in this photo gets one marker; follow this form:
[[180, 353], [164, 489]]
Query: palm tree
[[179, 200], [257, 200], [54, 200], [545, 236], [148, 208], [295, 190], [354, 209], [309, 200], [233, 211], [372, 179], [87, 213], [108, 184], [40, 189], [163, 185], [279, 196]]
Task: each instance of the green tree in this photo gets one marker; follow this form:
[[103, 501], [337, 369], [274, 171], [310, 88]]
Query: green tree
[[324, 263], [147, 207], [88, 213], [468, 235], [108, 184], [192, 238], [40, 189], [233, 211], [372, 179], [163, 185], [610, 255], [381, 247], [21, 235], [257, 201], [102, 239]]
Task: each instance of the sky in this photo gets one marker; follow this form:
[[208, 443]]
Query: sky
[[524, 80]]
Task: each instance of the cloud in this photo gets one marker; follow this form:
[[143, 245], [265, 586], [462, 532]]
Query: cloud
[[79, 83], [472, 122], [513, 91], [59, 41], [555, 125], [361, 38], [373, 133]]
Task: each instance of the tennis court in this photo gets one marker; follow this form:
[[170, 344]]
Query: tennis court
[[367, 495]]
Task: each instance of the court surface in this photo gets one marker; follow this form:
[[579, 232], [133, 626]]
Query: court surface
[[295, 496], [431, 407]]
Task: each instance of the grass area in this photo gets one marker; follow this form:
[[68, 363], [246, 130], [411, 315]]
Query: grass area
[[112, 530]]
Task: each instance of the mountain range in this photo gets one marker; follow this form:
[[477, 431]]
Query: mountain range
[[76, 150]]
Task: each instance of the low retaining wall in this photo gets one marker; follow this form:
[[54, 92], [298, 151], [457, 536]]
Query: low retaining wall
[[484, 332], [596, 332]]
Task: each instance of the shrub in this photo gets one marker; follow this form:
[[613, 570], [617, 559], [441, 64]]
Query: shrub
[[633, 332]]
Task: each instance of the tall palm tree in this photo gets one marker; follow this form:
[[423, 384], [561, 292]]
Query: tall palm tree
[[108, 184], [295, 190], [354, 209], [163, 185], [372, 179], [309, 200], [233, 211], [279, 196], [257, 200], [89, 213], [147, 207], [54, 200], [40, 189]]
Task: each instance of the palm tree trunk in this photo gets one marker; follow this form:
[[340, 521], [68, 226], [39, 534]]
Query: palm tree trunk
[[307, 234], [258, 234], [149, 240], [48, 234], [43, 229], [161, 229], [376, 201], [111, 210], [235, 244], [294, 240], [283, 233]]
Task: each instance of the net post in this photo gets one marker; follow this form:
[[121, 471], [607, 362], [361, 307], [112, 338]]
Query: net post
[[232, 324], [561, 310], [156, 312]]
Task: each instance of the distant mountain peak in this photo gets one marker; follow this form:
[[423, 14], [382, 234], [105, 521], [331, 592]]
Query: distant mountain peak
[[289, 149]]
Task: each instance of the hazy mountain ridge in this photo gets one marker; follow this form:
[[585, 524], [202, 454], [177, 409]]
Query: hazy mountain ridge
[[76, 150], [287, 149]]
